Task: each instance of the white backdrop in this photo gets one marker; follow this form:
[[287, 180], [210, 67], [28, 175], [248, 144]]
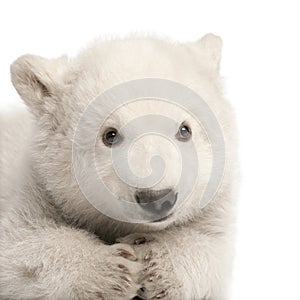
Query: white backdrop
[[261, 65]]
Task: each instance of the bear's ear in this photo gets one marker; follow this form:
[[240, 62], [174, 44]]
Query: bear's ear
[[210, 47], [39, 81]]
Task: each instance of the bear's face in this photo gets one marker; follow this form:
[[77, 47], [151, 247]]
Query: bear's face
[[59, 92], [130, 136]]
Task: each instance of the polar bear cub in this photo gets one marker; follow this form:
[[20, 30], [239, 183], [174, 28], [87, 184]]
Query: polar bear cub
[[104, 176]]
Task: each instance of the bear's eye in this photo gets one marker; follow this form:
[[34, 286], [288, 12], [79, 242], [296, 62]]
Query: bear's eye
[[111, 137], [184, 133]]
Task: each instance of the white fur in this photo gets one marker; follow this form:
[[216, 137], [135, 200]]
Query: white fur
[[53, 243]]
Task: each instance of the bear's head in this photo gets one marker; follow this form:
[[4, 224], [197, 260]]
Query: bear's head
[[110, 144]]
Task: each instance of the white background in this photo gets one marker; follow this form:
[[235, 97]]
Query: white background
[[261, 65]]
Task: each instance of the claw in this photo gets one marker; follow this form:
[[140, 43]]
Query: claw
[[123, 268], [118, 289], [100, 296], [151, 277], [139, 241], [152, 264], [127, 280], [161, 295], [125, 254], [148, 255]]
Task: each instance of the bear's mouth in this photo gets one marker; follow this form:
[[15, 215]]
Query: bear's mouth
[[162, 219]]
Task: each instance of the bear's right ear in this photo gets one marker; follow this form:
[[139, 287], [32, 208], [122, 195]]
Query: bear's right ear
[[210, 49], [39, 81]]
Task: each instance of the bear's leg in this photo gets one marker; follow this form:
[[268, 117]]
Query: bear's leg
[[182, 263], [51, 262]]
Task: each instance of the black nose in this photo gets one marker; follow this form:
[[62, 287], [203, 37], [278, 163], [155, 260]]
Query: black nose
[[154, 201]]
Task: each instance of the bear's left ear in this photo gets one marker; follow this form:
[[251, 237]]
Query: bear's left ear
[[210, 47], [39, 81]]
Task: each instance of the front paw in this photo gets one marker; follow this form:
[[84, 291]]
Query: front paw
[[158, 277], [121, 273]]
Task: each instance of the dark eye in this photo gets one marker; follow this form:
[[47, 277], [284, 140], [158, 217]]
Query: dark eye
[[111, 137], [184, 133]]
